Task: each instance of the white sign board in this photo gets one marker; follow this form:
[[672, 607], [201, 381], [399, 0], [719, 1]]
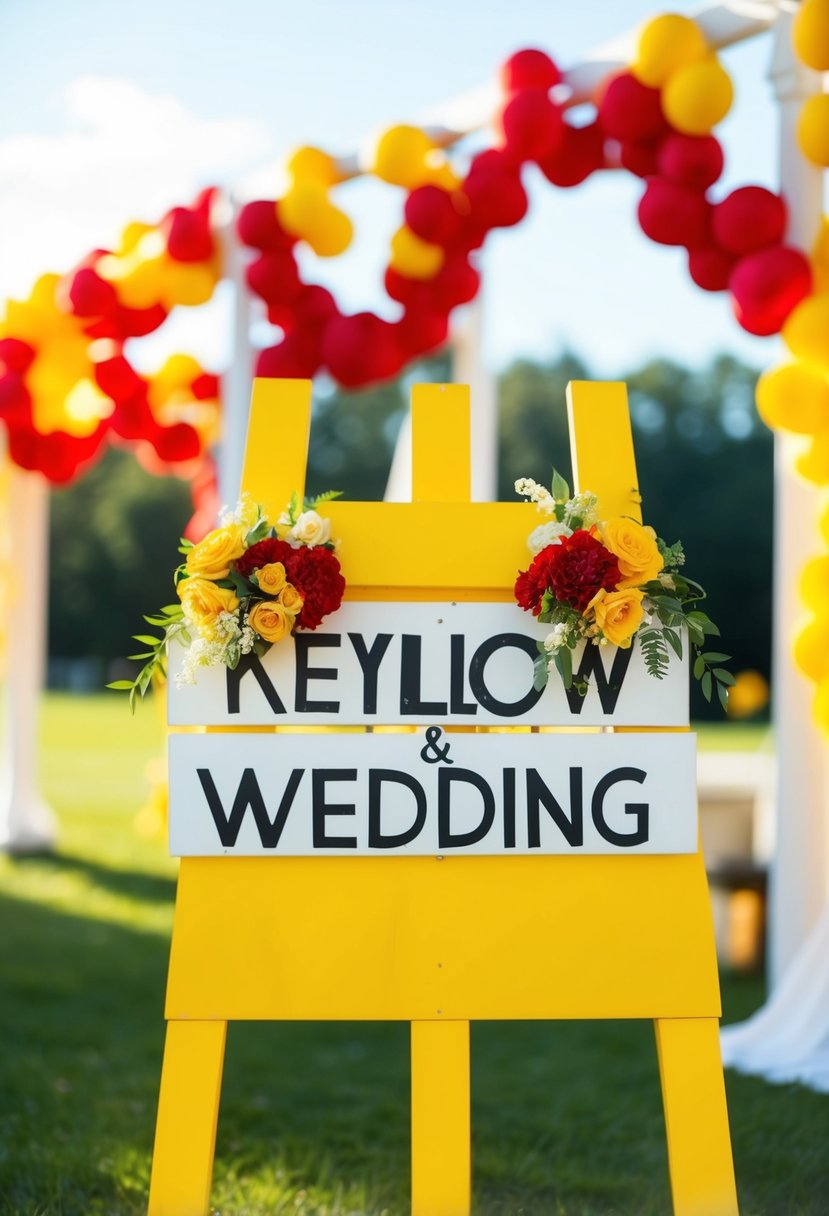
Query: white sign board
[[411, 663], [431, 793]]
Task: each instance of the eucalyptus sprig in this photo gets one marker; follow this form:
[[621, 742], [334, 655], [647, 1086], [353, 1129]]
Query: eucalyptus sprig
[[170, 620]]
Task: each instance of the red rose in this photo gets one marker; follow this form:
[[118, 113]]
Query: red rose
[[315, 572], [264, 551], [573, 571]]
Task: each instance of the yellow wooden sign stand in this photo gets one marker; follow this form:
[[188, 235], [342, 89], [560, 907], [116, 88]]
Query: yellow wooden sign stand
[[439, 942]]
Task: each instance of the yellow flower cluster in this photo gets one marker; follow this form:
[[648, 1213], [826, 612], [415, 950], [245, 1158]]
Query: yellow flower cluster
[[618, 614], [274, 619], [201, 598]]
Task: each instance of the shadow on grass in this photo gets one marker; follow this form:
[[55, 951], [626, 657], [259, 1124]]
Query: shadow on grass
[[314, 1119], [132, 884]]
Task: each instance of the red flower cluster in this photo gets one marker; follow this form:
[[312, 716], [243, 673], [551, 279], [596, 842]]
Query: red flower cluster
[[573, 571], [314, 571]]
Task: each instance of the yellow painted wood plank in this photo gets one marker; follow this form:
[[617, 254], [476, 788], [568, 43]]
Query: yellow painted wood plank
[[696, 1117], [276, 451], [441, 1156], [441, 458], [601, 446], [188, 1109], [518, 937]]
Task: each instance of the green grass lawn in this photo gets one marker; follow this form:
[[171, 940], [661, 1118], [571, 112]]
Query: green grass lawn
[[567, 1116]]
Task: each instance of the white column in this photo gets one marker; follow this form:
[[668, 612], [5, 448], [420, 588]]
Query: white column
[[26, 822], [801, 863], [238, 378], [469, 367]]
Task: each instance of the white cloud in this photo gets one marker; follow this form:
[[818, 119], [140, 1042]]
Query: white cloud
[[121, 154]]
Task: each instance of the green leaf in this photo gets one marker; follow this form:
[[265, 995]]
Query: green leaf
[[675, 641], [540, 672], [172, 610], [724, 677], [722, 693], [560, 488], [258, 532], [146, 638], [120, 685], [713, 656], [148, 654], [705, 683], [699, 667], [564, 665]]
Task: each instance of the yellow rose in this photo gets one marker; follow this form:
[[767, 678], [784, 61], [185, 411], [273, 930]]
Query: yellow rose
[[203, 601], [211, 557], [270, 621], [618, 614], [271, 578], [635, 547], [291, 600]]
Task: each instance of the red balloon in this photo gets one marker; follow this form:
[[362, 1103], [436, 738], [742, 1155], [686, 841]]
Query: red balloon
[[710, 267], [188, 235], [767, 285], [496, 197], [133, 418], [206, 387], [16, 355], [258, 226], [176, 443], [431, 215], [126, 323], [361, 350], [671, 214], [691, 160], [749, 219], [531, 126], [118, 380], [580, 153], [529, 69], [455, 283], [274, 277], [420, 333], [630, 110], [296, 357], [639, 158], [89, 295], [413, 293], [15, 402]]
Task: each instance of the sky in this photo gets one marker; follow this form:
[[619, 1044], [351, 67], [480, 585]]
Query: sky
[[116, 111]]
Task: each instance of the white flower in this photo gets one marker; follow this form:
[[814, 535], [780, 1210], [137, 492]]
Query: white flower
[[585, 506], [667, 582], [310, 529], [556, 638], [547, 534], [540, 495]]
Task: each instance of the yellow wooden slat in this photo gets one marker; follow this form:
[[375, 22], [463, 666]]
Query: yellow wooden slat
[[601, 446], [188, 1108], [696, 1117], [441, 458], [276, 452], [441, 1161]]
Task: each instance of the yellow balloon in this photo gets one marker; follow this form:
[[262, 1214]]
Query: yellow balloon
[[748, 695], [667, 43], [806, 331], [814, 583], [813, 129], [810, 34], [795, 397], [307, 212], [813, 464], [313, 164], [400, 156], [188, 283], [697, 97], [139, 282], [176, 373], [811, 648], [823, 524], [414, 258]]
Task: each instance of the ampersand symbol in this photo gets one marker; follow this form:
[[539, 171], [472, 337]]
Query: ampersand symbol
[[431, 753]]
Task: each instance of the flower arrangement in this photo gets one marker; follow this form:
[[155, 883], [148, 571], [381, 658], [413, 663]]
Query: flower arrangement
[[610, 582], [244, 587]]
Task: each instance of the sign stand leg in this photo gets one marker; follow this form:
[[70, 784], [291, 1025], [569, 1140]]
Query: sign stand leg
[[441, 1158], [188, 1111], [696, 1117]]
